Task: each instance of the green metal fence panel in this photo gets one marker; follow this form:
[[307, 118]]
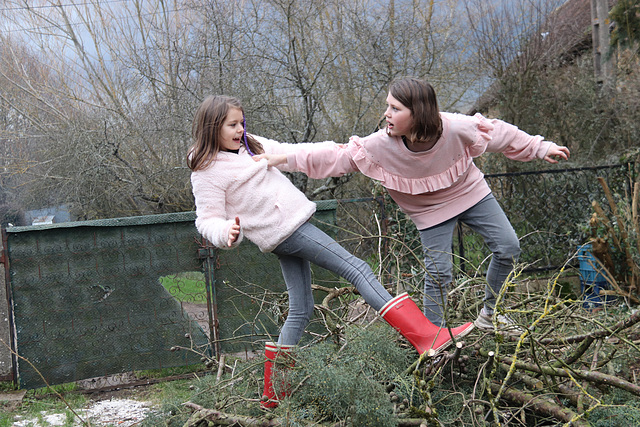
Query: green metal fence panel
[[87, 299], [248, 282], [95, 298]]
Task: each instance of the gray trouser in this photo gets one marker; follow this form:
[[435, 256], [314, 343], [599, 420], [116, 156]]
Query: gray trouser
[[489, 220], [310, 244]]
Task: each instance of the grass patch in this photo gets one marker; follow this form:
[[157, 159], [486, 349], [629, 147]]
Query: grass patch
[[196, 369], [170, 397], [45, 401], [7, 386], [186, 287]]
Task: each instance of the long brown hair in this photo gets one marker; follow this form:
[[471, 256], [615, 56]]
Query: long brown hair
[[206, 127], [419, 97]]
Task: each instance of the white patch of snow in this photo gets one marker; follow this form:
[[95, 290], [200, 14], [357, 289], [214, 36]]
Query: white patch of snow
[[120, 412]]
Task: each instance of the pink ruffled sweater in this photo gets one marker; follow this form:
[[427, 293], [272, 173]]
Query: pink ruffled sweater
[[269, 206], [430, 186]]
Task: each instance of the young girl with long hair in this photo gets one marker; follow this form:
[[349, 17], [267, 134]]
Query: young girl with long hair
[[424, 158], [238, 197]]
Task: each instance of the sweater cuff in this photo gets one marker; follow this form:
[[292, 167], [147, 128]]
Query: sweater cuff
[[291, 162], [543, 149]]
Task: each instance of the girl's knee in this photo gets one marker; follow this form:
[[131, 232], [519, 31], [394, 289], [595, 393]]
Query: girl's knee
[[437, 273], [509, 249], [301, 313]]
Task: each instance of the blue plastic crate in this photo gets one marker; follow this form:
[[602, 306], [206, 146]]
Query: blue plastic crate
[[591, 297], [591, 276], [589, 265], [591, 280]]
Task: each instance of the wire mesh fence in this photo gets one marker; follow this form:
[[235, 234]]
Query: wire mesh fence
[[84, 295], [549, 209]]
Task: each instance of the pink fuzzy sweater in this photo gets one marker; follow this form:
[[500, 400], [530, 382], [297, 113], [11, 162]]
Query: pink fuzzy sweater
[[269, 206], [430, 186]]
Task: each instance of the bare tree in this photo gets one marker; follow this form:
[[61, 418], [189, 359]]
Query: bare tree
[[117, 69], [121, 81], [512, 41]]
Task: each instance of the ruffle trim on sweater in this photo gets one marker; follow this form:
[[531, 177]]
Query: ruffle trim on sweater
[[425, 184], [482, 137], [403, 184]]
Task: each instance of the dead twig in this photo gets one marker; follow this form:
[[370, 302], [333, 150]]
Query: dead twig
[[598, 378], [599, 333], [540, 406], [223, 419]]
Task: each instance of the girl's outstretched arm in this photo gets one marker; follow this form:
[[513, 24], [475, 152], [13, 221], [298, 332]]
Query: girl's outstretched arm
[[316, 159]]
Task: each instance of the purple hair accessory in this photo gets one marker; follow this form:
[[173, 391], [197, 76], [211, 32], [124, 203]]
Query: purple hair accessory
[[244, 125]]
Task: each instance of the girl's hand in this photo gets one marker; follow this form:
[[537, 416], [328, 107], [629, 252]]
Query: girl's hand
[[272, 159], [234, 232], [556, 151]]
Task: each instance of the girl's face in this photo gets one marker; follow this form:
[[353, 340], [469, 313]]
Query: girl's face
[[232, 130], [399, 120]]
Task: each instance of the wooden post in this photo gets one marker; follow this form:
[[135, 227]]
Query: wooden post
[[603, 62]]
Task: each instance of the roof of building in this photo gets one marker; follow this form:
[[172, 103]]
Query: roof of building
[[565, 35]]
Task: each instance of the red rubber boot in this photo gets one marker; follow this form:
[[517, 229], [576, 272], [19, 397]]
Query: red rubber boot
[[405, 317], [275, 355]]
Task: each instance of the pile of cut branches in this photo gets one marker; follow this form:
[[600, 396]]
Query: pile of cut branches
[[569, 365]]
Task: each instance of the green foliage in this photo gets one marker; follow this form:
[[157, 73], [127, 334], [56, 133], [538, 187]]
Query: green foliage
[[449, 406], [7, 386], [621, 409], [56, 399], [348, 382], [626, 33], [168, 372], [54, 389], [170, 414], [6, 420]]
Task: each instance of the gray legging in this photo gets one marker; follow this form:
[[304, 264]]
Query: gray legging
[[489, 220], [310, 244]]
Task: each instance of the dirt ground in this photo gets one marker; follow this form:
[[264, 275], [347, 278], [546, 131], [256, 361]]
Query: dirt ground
[[198, 312]]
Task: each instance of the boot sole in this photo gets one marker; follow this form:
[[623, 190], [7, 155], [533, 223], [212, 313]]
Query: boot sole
[[448, 343], [511, 330]]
